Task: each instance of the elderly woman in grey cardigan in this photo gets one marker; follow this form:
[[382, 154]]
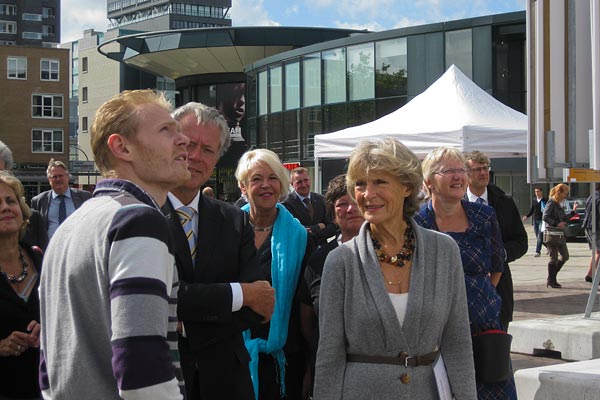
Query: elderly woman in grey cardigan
[[392, 299]]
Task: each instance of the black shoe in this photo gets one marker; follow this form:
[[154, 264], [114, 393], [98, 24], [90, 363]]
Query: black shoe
[[553, 285], [588, 278]]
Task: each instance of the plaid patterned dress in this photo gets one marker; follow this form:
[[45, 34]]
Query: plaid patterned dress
[[482, 252]]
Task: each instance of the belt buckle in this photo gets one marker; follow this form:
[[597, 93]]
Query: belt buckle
[[406, 361]]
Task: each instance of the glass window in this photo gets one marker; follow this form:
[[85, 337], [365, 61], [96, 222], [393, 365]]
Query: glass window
[[31, 17], [291, 135], [334, 65], [292, 86], [390, 68], [84, 124], [49, 70], [8, 9], [263, 86], [47, 106], [47, 141], [276, 96], [31, 35], [459, 50], [361, 77], [8, 27], [312, 80], [48, 12], [17, 68], [84, 64], [361, 112], [274, 135], [311, 126], [334, 117], [84, 94]]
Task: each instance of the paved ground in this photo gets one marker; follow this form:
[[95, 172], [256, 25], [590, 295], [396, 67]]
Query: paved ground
[[534, 300]]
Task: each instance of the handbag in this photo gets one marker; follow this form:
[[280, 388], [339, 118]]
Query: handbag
[[554, 237], [491, 353]]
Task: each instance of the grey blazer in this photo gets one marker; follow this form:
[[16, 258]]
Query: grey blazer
[[357, 317]]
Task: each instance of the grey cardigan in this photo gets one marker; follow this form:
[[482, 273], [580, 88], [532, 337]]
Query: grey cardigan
[[357, 317]]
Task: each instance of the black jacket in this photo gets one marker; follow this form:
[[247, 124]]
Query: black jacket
[[536, 208]]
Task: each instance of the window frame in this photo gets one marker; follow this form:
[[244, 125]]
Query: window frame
[[53, 142], [50, 61], [16, 71], [51, 106]]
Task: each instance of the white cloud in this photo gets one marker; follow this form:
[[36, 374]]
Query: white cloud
[[251, 13], [78, 15], [371, 26], [404, 22], [293, 10]]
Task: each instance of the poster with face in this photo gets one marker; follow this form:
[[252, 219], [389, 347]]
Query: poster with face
[[231, 103]]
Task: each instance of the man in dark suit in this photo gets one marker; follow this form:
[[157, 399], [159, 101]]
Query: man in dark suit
[[309, 207], [512, 230], [57, 204], [536, 210], [223, 292]]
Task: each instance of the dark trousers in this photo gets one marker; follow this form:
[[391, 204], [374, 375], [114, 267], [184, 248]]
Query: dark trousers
[[539, 234]]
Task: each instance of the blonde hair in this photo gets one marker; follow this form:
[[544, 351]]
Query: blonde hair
[[252, 158], [11, 181], [560, 188], [120, 115], [391, 156], [437, 156]]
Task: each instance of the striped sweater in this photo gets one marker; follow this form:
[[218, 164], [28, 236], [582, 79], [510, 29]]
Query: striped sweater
[[108, 300]]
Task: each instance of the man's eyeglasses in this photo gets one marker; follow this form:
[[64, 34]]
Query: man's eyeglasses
[[477, 170], [451, 171], [54, 177]]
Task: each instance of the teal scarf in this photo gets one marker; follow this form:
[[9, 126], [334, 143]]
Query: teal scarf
[[288, 245]]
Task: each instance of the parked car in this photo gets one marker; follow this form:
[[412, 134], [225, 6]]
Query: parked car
[[574, 229]]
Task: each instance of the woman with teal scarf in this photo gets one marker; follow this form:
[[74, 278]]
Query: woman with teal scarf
[[277, 350]]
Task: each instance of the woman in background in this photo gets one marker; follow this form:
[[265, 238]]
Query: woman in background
[[19, 302], [278, 349], [475, 229], [555, 219]]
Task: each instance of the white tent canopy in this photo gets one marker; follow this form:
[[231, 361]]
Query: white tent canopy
[[453, 112]]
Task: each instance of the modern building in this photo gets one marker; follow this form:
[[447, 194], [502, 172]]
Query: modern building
[[310, 82], [34, 121], [155, 15], [30, 23]]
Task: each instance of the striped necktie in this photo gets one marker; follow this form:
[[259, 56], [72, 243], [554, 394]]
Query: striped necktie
[[185, 215], [62, 209], [309, 207]]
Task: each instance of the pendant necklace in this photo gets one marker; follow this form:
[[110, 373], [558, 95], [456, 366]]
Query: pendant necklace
[[17, 278]]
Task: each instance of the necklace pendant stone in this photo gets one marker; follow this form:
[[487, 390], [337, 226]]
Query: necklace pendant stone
[[393, 259]]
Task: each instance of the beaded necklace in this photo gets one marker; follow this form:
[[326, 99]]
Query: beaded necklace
[[17, 278], [405, 253]]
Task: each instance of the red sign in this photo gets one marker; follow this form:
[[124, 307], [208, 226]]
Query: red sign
[[291, 165]]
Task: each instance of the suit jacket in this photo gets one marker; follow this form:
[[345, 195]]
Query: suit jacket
[[41, 202], [213, 355], [36, 235], [294, 205], [515, 241], [358, 316]]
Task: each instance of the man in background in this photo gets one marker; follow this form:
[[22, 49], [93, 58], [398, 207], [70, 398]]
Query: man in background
[[223, 291], [56, 204], [536, 211], [309, 207], [512, 230], [108, 289]]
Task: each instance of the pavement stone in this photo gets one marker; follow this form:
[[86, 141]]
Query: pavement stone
[[534, 300]]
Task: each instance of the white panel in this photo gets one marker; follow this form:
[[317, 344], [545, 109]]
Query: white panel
[[583, 100], [558, 77], [595, 50]]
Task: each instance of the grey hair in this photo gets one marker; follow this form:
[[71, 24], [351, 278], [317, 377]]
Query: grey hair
[[206, 116], [6, 155]]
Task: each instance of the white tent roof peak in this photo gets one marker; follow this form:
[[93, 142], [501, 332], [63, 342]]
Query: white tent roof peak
[[453, 112]]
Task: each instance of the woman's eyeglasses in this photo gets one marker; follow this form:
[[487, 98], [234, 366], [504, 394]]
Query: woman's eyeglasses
[[452, 171]]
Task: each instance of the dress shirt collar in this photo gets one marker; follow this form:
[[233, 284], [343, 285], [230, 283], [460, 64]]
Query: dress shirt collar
[[302, 197], [473, 198], [177, 203], [66, 194]]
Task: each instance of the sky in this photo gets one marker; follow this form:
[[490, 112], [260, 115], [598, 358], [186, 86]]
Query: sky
[[374, 15]]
